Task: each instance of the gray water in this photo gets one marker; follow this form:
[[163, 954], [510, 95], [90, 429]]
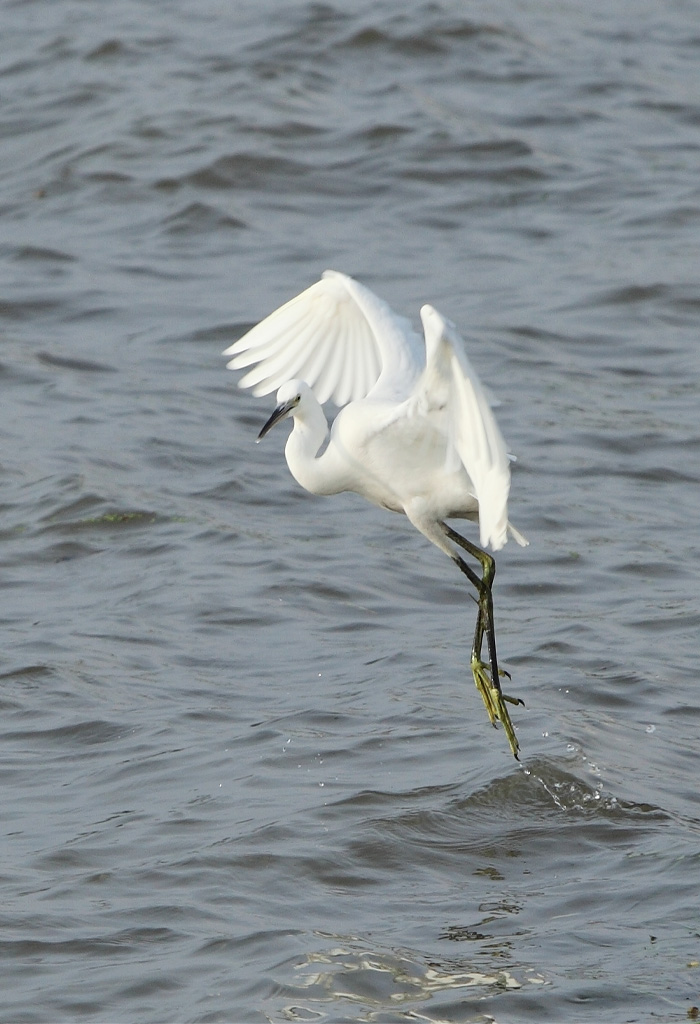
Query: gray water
[[246, 774]]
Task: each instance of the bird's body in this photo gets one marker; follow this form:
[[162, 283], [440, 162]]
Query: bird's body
[[415, 433], [376, 449]]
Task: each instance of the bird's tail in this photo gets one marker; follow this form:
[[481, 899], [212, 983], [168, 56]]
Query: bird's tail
[[517, 536]]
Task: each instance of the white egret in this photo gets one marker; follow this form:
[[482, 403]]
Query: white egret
[[414, 434]]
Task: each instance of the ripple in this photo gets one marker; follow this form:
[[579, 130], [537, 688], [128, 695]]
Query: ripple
[[246, 773], [201, 217], [65, 363], [245, 170]]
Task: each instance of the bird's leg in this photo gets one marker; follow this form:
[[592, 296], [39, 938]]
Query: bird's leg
[[488, 686], [483, 586]]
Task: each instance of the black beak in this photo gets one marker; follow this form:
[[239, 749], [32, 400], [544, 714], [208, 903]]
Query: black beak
[[279, 414]]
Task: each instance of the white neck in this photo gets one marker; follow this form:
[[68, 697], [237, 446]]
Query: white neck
[[310, 431]]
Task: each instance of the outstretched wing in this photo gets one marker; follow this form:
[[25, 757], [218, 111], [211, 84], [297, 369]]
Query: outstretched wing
[[450, 388], [338, 337]]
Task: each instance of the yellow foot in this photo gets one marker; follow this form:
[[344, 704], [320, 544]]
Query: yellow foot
[[495, 701]]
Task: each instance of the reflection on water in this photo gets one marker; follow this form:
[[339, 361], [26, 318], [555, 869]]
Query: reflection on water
[[377, 980]]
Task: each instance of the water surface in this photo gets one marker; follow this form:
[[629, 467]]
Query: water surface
[[247, 776]]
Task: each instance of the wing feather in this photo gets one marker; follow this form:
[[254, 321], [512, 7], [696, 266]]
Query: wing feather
[[283, 364], [339, 337], [263, 339], [451, 388]]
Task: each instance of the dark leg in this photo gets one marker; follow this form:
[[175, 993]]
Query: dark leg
[[483, 585], [489, 686]]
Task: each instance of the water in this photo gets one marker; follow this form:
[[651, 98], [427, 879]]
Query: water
[[246, 775]]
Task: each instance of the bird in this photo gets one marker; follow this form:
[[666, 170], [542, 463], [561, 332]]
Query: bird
[[414, 432]]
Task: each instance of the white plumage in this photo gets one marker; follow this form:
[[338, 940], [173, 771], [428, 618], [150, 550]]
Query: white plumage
[[415, 432]]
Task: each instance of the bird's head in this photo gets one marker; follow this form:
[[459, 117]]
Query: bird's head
[[289, 396]]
